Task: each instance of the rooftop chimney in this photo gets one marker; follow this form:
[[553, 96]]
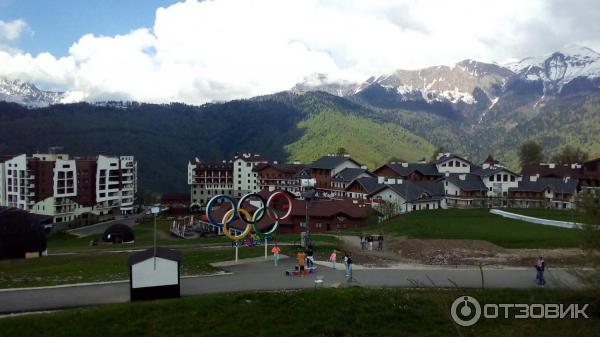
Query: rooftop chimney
[[462, 176], [485, 166], [296, 162], [404, 164], [551, 165], [534, 178], [364, 167], [380, 180]]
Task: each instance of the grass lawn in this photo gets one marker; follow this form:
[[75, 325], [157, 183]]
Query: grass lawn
[[478, 224], [100, 267], [324, 312], [144, 237], [551, 214]]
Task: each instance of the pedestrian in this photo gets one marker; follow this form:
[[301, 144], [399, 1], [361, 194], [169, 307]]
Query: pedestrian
[[301, 257], [371, 242], [349, 267], [332, 259], [346, 263], [276, 250], [310, 259], [362, 242], [540, 266], [380, 242]]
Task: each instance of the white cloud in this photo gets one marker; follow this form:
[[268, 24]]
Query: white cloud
[[11, 30], [226, 49]]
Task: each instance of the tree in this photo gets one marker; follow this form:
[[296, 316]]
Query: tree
[[387, 209], [531, 153], [436, 152], [569, 155], [341, 151]]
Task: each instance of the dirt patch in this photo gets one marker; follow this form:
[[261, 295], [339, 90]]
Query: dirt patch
[[444, 252], [463, 252]]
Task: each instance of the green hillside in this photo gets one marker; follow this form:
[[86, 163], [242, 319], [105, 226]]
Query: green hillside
[[370, 142], [164, 138]]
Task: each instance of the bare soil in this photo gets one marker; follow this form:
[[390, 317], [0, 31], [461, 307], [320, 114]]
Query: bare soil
[[463, 252]]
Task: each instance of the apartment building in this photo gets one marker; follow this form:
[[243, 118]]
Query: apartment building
[[235, 177], [64, 188], [283, 177]]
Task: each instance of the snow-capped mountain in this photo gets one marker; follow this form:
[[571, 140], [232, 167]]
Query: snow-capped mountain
[[557, 70], [27, 94], [575, 68]]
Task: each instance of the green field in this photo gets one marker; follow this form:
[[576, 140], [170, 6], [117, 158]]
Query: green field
[[144, 237], [552, 214], [101, 267], [477, 224], [323, 312]]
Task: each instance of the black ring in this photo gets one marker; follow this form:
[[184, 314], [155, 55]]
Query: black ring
[[240, 204]]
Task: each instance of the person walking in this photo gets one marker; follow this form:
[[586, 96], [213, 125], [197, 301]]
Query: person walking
[[276, 250], [347, 263], [370, 242], [362, 242], [349, 268], [380, 241], [333, 258], [310, 259], [540, 266]]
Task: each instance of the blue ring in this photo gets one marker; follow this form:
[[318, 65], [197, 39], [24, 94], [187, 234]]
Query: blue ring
[[215, 199]]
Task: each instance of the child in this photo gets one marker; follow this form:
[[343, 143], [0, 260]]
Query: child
[[332, 259], [276, 250], [310, 259], [301, 257]]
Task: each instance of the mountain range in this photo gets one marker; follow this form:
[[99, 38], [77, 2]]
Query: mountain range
[[474, 108]]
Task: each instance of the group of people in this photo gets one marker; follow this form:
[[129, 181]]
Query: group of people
[[305, 258], [347, 262], [366, 242]]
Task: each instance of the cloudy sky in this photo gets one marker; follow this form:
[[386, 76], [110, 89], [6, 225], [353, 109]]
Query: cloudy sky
[[201, 51]]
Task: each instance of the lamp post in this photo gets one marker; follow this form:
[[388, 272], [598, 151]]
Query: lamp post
[[155, 210], [309, 193]]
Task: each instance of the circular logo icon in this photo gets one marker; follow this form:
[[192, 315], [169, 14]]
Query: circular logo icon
[[465, 311]]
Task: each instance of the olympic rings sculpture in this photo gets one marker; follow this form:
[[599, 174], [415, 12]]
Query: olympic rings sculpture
[[251, 220]]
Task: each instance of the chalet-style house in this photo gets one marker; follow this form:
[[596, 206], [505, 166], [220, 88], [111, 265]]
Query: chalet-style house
[[539, 192]]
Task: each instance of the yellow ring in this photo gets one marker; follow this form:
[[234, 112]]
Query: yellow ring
[[228, 216]]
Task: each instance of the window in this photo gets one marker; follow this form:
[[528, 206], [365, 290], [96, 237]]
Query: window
[[512, 178], [491, 178], [505, 177], [451, 163]]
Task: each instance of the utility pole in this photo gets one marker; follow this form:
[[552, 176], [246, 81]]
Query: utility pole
[[155, 210]]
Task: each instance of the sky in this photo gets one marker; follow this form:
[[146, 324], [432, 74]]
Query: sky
[[202, 51]]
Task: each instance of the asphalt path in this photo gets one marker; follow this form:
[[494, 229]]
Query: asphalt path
[[262, 275]]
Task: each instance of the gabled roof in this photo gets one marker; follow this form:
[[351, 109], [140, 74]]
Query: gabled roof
[[447, 156], [551, 170], [556, 185], [426, 169], [491, 170], [471, 182], [283, 168], [330, 162], [416, 190], [369, 184], [168, 254], [349, 174]]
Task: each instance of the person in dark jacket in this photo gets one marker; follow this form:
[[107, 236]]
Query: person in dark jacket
[[540, 267], [380, 242]]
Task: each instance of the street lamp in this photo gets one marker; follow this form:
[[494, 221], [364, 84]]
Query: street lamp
[[309, 193], [155, 210]]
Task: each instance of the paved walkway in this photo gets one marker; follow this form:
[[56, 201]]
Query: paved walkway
[[262, 275]]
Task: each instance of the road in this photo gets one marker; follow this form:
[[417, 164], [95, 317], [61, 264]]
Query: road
[[256, 276]]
